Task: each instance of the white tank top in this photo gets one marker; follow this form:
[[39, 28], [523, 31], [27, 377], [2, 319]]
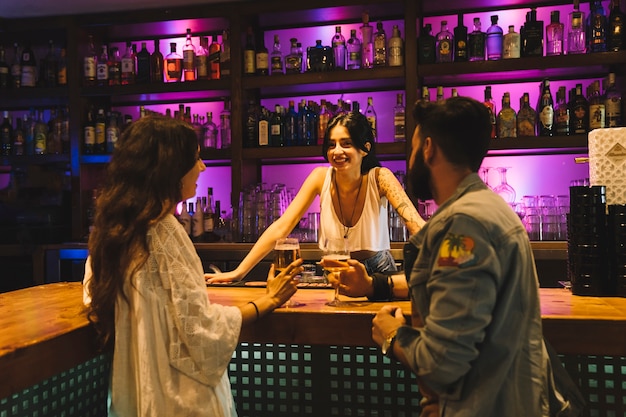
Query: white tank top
[[371, 230]]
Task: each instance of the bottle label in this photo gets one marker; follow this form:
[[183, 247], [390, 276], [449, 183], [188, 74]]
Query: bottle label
[[262, 62], [395, 56], [546, 117], [90, 135], [102, 71], [597, 116], [89, 67], [188, 60], [29, 76], [613, 112], [202, 66], [249, 62]]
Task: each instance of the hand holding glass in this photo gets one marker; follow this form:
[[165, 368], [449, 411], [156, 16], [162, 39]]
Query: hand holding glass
[[286, 250], [335, 257]]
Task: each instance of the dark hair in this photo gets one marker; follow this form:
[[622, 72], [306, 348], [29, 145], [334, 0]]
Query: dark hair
[[460, 126], [142, 184], [360, 132]]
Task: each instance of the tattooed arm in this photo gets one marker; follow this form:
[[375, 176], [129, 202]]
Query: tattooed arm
[[390, 187]]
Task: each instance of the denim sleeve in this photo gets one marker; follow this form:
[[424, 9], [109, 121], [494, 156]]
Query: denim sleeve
[[458, 282]]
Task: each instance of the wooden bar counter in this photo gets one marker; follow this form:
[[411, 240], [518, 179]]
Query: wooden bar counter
[[44, 330]]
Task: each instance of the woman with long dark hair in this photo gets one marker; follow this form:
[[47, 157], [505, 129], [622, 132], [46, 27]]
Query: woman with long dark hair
[[353, 192], [144, 282]]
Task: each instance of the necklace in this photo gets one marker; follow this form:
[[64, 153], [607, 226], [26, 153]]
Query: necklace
[[356, 202]]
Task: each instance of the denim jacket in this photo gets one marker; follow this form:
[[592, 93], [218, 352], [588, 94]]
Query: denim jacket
[[476, 338]]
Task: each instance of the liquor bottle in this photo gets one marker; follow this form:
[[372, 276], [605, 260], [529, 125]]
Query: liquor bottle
[[252, 125], [545, 111], [15, 69], [353, 47], [425, 94], [507, 119], [304, 135], [277, 128], [18, 138], [532, 44], [249, 54], [511, 44], [112, 131], [129, 66], [561, 114], [102, 67], [90, 60], [576, 32], [476, 41], [62, 68], [612, 103], [185, 218], [261, 58], [616, 35], [65, 130], [213, 59], [439, 96], [554, 35], [53, 141], [225, 128], [202, 59], [395, 48], [197, 222], [338, 44], [225, 54], [264, 128], [445, 44], [6, 134], [370, 114], [526, 118], [311, 123], [208, 218], [189, 58], [173, 65], [277, 58], [596, 28], [50, 69], [291, 123], [142, 75], [293, 60], [380, 46], [220, 226], [494, 40], [579, 112], [323, 118], [460, 41], [367, 47], [399, 131], [426, 46], [454, 92], [40, 138], [100, 124], [89, 134], [156, 64], [115, 67], [4, 70], [210, 132], [489, 103], [597, 110], [29, 67]]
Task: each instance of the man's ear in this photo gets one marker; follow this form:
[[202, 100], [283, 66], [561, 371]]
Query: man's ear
[[429, 149], [368, 146]]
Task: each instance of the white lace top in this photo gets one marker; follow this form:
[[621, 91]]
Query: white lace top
[[172, 346]]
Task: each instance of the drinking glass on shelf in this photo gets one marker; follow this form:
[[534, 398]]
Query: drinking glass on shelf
[[286, 250], [483, 172], [335, 256], [503, 189]]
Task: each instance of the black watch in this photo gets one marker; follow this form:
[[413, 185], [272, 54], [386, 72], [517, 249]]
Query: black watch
[[387, 347]]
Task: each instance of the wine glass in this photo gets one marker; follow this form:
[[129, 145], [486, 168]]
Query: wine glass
[[336, 253], [483, 172], [286, 250], [503, 189]]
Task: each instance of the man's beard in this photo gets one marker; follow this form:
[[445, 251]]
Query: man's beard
[[419, 178]]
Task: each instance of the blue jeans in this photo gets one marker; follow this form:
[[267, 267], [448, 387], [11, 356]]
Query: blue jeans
[[381, 262]]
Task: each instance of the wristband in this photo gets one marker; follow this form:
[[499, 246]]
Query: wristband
[[382, 286]]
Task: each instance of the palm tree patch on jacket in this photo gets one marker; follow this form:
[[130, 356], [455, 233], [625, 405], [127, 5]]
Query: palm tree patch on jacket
[[457, 250]]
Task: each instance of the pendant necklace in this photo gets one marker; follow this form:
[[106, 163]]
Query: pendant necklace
[[347, 228]]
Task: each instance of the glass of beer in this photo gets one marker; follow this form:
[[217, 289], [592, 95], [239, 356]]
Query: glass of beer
[[335, 256], [286, 250]]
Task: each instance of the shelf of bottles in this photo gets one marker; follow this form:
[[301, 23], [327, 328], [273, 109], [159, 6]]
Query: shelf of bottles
[[572, 55]]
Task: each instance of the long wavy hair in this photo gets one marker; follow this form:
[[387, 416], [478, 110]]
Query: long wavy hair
[[360, 132], [143, 183]]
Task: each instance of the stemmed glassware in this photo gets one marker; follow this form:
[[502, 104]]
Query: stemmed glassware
[[335, 256], [483, 172], [503, 189], [286, 250]]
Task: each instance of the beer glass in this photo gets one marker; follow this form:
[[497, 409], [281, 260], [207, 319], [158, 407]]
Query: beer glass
[[335, 255], [286, 250]]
